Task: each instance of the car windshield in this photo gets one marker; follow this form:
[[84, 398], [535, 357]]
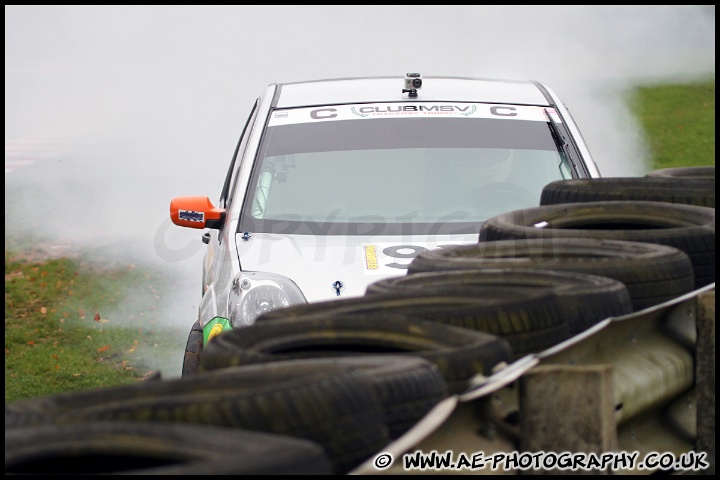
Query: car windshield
[[383, 169]]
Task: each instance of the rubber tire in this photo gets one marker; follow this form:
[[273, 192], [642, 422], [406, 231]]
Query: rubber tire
[[585, 299], [459, 353], [144, 448], [193, 350], [690, 228], [652, 273], [684, 190], [684, 172], [408, 386], [529, 321], [339, 410]]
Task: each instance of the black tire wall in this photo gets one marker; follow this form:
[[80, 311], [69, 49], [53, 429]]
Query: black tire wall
[[148, 448], [684, 190], [527, 321], [685, 172], [689, 228], [339, 410], [651, 273], [584, 299], [459, 353]]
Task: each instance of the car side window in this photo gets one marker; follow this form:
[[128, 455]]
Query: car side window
[[226, 193]]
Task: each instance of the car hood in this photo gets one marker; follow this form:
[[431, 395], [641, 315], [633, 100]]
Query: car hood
[[315, 263]]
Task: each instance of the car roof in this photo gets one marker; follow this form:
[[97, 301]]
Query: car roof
[[390, 89]]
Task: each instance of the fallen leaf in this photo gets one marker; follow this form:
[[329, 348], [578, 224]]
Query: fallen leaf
[[102, 349], [31, 342], [55, 356], [43, 310], [96, 317]]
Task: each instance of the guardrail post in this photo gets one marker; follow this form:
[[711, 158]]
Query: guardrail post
[[567, 408], [705, 377]]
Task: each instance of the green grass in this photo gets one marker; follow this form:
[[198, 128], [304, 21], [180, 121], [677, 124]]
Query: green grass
[[679, 123], [73, 327], [54, 344]]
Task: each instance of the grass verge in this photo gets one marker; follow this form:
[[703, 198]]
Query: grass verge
[[679, 123], [70, 326]]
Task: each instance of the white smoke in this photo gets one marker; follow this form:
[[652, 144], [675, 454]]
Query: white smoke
[[111, 111]]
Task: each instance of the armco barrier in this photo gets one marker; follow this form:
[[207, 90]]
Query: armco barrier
[[640, 384]]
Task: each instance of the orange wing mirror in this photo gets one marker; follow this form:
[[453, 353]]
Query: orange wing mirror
[[196, 212]]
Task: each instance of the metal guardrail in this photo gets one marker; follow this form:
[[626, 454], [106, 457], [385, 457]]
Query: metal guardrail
[[643, 383]]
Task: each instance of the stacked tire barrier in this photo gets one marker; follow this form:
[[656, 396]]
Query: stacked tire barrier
[[149, 448], [311, 405], [650, 273], [689, 228], [355, 327], [587, 302]]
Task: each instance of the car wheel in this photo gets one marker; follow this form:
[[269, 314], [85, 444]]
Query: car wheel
[[459, 353], [652, 273], [685, 190], [145, 448], [690, 228], [339, 410], [193, 350], [585, 299]]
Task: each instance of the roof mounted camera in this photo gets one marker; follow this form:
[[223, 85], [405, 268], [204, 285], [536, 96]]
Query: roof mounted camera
[[413, 81]]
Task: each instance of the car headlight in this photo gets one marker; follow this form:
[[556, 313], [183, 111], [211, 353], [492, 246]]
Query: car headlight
[[254, 293]]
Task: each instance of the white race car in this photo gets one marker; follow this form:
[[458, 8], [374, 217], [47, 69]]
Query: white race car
[[336, 184]]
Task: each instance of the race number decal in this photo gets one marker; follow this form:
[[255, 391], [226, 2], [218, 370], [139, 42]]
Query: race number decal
[[387, 258]]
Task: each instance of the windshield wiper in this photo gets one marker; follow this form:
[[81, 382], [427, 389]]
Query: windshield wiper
[[560, 142]]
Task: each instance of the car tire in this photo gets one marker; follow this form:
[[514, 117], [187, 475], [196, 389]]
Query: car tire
[[684, 172], [193, 350], [683, 190], [652, 273], [585, 299], [339, 410], [459, 353], [145, 448], [689, 228]]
